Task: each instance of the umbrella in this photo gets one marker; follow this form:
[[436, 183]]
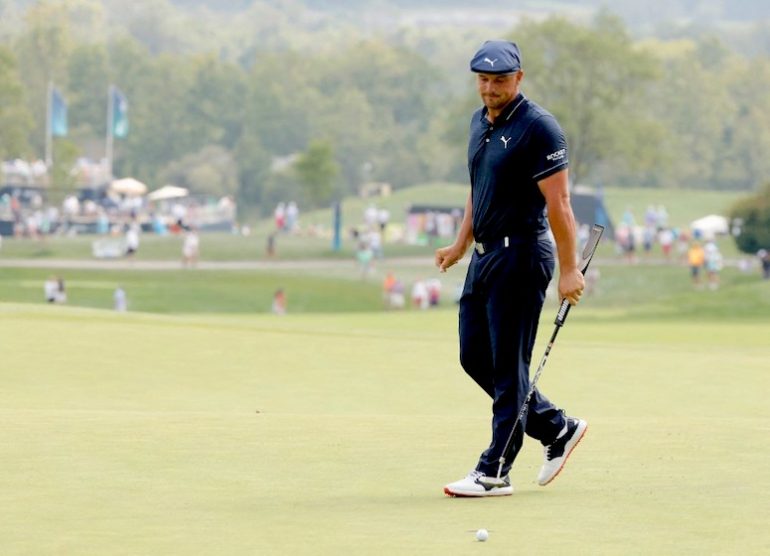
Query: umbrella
[[128, 186], [168, 192]]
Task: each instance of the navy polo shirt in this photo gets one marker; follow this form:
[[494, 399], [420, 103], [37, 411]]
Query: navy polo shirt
[[506, 160]]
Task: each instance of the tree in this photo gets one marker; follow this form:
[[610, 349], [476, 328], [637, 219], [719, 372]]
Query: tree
[[15, 119], [316, 170], [693, 105], [210, 171], [743, 162], [42, 53], [88, 84], [161, 130], [754, 214], [593, 80], [215, 101], [65, 152], [253, 170]]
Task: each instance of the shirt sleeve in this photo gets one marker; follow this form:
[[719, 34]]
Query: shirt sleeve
[[548, 148]]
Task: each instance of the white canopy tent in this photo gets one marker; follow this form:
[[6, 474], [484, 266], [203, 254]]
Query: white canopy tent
[[710, 226], [168, 192], [128, 186]]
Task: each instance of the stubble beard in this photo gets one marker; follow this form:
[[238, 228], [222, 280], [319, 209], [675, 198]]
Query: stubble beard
[[495, 103]]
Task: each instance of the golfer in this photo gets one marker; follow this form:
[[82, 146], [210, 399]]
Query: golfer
[[517, 158]]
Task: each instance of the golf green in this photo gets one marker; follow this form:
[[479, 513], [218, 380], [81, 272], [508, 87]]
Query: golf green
[[334, 434]]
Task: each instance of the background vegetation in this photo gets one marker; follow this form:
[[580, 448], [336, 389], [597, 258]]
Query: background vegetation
[[220, 93]]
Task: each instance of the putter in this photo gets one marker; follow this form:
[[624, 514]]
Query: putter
[[561, 316]]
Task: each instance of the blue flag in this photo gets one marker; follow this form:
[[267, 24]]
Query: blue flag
[[58, 114], [119, 124]]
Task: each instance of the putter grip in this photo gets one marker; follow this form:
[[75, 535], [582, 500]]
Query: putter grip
[[588, 254], [561, 316]]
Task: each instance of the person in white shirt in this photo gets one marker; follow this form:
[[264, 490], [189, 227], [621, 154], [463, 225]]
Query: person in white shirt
[[190, 248], [121, 302], [132, 240], [51, 289]]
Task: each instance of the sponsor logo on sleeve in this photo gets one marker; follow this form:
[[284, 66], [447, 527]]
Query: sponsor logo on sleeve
[[558, 155]]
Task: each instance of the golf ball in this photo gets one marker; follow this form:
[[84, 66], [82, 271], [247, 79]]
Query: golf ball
[[482, 535]]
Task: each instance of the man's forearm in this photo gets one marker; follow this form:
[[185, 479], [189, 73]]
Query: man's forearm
[[563, 227], [465, 233]]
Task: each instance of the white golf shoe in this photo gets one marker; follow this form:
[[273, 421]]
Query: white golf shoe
[[556, 454], [476, 484]]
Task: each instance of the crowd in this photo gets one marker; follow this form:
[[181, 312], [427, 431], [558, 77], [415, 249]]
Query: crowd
[[706, 259], [54, 291]]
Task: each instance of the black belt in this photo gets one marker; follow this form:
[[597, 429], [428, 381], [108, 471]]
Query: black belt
[[507, 241]]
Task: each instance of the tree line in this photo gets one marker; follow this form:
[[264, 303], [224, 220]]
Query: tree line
[[278, 122]]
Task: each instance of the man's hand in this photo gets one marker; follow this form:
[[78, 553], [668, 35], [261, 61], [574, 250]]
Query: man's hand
[[571, 286], [448, 256]]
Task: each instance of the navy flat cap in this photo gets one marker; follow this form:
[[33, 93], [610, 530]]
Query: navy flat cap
[[498, 57]]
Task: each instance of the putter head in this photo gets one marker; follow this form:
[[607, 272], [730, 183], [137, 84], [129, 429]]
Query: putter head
[[492, 482]]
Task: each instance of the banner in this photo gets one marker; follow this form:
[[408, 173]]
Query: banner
[[119, 125], [58, 114]]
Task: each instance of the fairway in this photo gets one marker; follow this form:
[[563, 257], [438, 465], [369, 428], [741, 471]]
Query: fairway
[[334, 434]]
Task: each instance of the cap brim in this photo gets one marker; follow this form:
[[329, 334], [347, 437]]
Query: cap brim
[[517, 70]]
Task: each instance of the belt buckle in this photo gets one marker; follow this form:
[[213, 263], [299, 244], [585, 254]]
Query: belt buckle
[[479, 248]]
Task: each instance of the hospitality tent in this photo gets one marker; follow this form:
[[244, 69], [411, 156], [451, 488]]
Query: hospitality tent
[[168, 192], [128, 186]]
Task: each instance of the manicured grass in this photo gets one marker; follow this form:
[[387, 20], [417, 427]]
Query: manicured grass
[[334, 434]]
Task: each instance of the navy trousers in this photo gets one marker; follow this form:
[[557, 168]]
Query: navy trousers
[[499, 311]]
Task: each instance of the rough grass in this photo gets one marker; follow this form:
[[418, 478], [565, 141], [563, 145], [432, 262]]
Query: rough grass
[[624, 291]]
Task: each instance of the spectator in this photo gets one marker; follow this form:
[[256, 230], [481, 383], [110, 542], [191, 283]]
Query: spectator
[[666, 240], [713, 264], [695, 258], [387, 287], [179, 214], [270, 247], [648, 238], [279, 302], [364, 256], [383, 216], [628, 218], [764, 260], [292, 217], [371, 216], [51, 289], [393, 292], [120, 299], [375, 243], [434, 291], [61, 293], [190, 248], [420, 295], [280, 217], [132, 240], [651, 217]]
